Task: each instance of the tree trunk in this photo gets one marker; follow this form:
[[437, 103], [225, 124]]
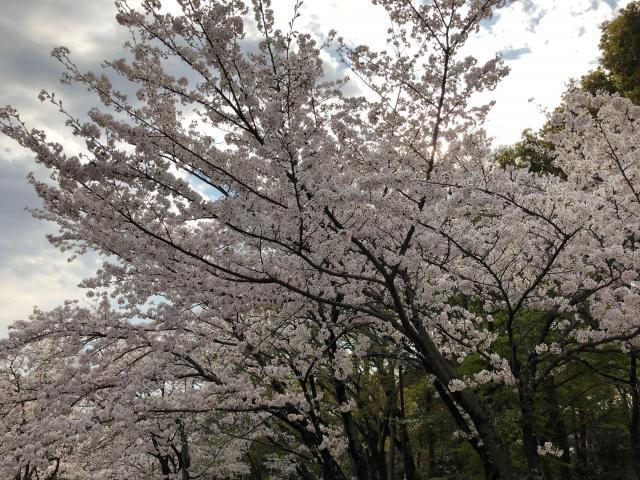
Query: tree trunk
[[490, 471], [185, 457], [529, 439], [330, 469], [556, 423], [356, 452], [392, 438], [407, 455], [582, 463], [496, 461], [634, 417], [376, 457]]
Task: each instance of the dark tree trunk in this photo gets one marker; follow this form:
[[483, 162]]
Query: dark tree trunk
[[431, 451], [392, 437], [407, 455], [529, 439], [582, 459], [429, 442], [356, 452], [304, 472], [330, 469], [634, 417], [376, 457], [497, 459], [490, 471], [184, 459], [493, 455], [556, 423]]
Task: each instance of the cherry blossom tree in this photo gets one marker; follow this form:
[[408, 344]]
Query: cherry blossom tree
[[265, 235], [109, 404]]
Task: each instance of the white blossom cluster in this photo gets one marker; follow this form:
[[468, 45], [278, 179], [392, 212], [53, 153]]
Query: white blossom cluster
[[341, 238]]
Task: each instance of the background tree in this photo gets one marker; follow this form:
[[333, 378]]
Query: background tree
[[620, 46]]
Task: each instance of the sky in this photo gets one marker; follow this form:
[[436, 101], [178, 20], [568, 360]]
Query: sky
[[544, 42]]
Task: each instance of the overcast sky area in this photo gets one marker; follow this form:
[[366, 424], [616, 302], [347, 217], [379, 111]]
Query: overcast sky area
[[545, 42]]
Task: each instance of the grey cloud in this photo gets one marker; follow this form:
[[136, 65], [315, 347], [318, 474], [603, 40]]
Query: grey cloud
[[515, 53], [16, 223], [535, 20], [595, 5], [612, 3], [533, 11], [30, 29], [32, 272], [489, 23], [21, 233]]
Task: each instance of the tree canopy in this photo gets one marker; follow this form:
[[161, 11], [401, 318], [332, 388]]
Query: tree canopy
[[620, 46]]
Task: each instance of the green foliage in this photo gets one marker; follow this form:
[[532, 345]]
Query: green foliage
[[597, 81], [620, 45], [534, 152]]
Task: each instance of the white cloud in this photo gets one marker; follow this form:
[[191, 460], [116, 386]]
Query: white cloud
[[545, 42], [560, 45], [40, 278]]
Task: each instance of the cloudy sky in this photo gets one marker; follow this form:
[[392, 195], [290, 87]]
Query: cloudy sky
[[545, 42]]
